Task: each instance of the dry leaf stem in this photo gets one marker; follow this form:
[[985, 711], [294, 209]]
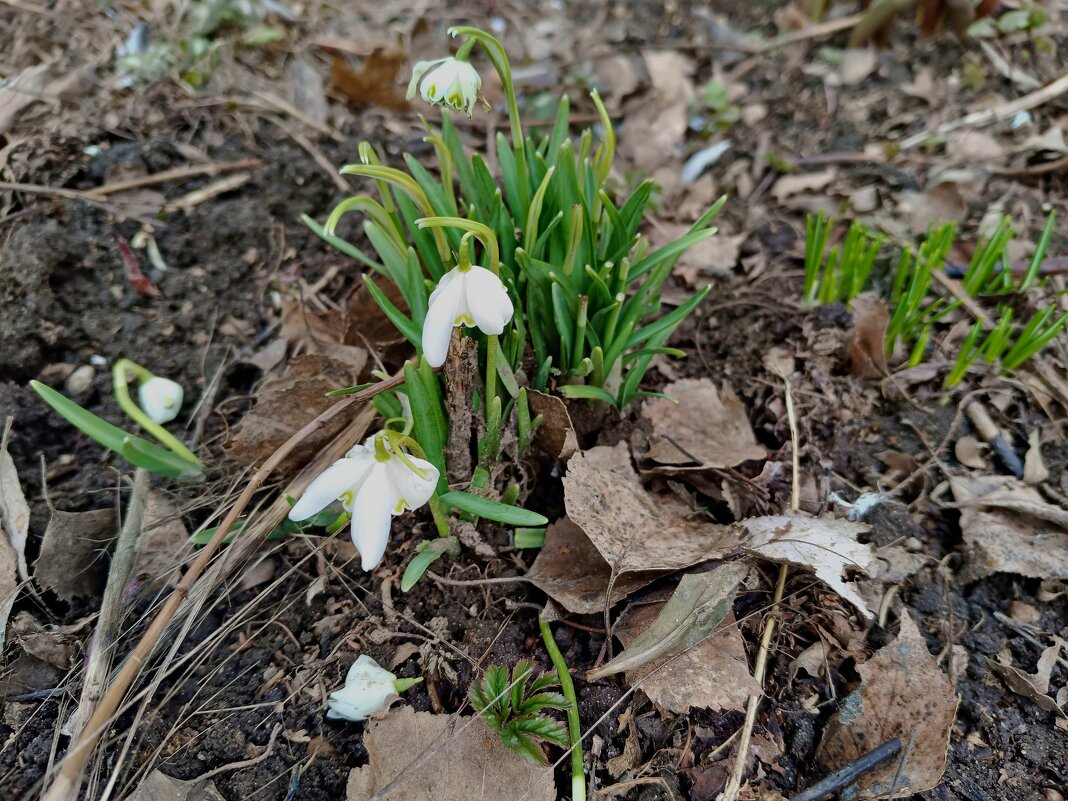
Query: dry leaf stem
[[71, 770], [112, 609]]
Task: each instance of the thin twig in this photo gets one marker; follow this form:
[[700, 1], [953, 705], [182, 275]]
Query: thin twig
[[112, 609], [73, 194], [845, 776], [177, 174], [66, 784]]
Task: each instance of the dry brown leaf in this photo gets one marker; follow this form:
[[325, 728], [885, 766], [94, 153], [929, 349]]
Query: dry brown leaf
[[942, 202], [285, 404], [308, 332], [20, 91], [464, 760], [28, 674], [571, 571], [1035, 470], [163, 543], [711, 426], [857, 64], [712, 675], [633, 529], [974, 146], [48, 643], [71, 561], [375, 82], [657, 120], [969, 452], [555, 434], [796, 183], [1032, 686], [15, 517], [1016, 532], [158, 787], [866, 352], [902, 691], [824, 545]]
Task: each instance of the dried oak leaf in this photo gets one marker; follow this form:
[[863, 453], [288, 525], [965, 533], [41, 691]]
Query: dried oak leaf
[[571, 570], [71, 560], [903, 693], [287, 403], [633, 529], [375, 82], [462, 756], [714, 674], [710, 425], [1009, 528], [826, 546]]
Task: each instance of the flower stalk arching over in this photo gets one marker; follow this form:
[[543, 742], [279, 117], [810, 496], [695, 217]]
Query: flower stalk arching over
[[160, 401], [368, 689], [375, 481]]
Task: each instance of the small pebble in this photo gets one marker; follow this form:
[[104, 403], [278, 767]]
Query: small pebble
[[80, 383]]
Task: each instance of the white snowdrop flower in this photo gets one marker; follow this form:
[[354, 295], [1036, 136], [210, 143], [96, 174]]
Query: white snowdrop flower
[[446, 82], [368, 688], [374, 481], [161, 398], [471, 296]]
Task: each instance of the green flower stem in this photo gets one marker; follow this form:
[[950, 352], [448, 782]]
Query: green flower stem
[[441, 517], [491, 367], [574, 725], [121, 373], [499, 58], [478, 230], [463, 53]]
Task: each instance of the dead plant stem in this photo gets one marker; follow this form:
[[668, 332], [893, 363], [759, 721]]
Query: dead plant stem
[[66, 784], [112, 609]]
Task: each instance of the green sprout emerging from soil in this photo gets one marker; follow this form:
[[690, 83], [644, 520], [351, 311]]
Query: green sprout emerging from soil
[[513, 709]]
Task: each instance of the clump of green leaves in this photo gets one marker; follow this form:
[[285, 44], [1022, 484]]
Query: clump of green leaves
[[715, 104], [513, 709], [842, 274]]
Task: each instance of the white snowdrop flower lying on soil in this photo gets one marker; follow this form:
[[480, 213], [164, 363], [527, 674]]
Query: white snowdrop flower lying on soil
[[374, 481], [467, 295], [161, 398], [448, 82], [368, 688]]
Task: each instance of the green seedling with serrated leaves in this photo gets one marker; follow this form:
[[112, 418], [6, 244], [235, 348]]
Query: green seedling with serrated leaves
[[512, 708]]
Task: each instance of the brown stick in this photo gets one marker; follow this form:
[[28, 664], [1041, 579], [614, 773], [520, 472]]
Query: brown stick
[[71, 770], [177, 174]]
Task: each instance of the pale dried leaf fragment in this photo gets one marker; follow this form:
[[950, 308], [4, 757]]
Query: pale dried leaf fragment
[[714, 674], [71, 563], [633, 529], [163, 544], [1009, 528], [866, 352], [903, 693], [703, 424], [969, 452], [573, 573], [1032, 686], [160, 787], [826, 546], [442, 758], [807, 182], [14, 511], [1035, 470], [699, 604]]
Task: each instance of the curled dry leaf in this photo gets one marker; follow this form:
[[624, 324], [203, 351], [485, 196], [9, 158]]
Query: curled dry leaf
[[375, 82], [15, 516], [903, 693], [1009, 528], [794, 184], [1032, 686], [286, 403], [555, 434], [826, 546], [699, 604], [633, 529], [461, 755], [866, 353], [573, 573], [1035, 470], [702, 424], [714, 674], [969, 452], [70, 563]]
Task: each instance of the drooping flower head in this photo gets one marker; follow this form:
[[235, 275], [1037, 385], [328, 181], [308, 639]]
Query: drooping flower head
[[466, 295], [368, 688], [374, 481], [161, 398], [451, 82]]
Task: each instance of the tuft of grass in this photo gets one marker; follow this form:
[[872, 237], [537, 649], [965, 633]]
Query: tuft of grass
[[843, 273]]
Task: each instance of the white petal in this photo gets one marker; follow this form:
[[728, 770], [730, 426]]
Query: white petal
[[487, 300], [325, 488], [446, 304], [418, 71], [367, 689], [412, 490], [161, 398], [372, 515]]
